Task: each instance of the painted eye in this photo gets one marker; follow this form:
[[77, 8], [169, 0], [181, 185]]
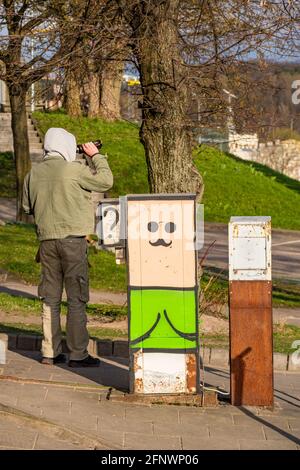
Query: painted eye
[[170, 227], [152, 226]]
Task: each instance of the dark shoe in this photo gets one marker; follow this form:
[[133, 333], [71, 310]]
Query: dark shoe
[[87, 362], [50, 361]]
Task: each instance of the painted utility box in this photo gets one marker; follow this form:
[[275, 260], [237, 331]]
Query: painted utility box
[[162, 293], [250, 302]]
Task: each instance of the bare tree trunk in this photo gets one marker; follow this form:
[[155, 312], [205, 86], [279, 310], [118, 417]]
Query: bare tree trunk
[[73, 104], [94, 95], [165, 131], [111, 81], [21, 143]]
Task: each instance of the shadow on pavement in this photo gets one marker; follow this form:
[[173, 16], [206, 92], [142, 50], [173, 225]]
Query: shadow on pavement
[[112, 372], [265, 423], [280, 395], [285, 400]]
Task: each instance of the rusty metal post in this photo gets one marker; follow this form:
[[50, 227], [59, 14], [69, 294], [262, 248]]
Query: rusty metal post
[[250, 304], [162, 294]]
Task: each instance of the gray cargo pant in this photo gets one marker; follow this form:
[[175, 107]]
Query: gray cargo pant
[[64, 263]]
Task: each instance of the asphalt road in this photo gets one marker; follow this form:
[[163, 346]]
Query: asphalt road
[[285, 250]]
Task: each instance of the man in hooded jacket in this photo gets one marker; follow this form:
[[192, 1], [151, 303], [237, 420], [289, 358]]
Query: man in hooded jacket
[[57, 192]]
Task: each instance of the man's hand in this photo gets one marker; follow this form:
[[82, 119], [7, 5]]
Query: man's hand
[[90, 149]]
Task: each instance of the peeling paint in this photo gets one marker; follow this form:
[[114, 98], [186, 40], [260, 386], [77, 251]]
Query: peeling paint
[[138, 385], [138, 372], [191, 373], [235, 230]]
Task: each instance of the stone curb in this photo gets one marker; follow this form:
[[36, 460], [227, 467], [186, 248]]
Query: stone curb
[[119, 348]]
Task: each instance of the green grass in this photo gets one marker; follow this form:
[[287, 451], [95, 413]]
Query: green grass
[[285, 293], [7, 175], [103, 333], [19, 305], [214, 340], [120, 142], [237, 187], [18, 247], [27, 307], [105, 274], [232, 186], [32, 329], [283, 338], [21, 328]]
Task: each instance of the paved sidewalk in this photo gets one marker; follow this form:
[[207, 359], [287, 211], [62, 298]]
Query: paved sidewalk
[[44, 407]]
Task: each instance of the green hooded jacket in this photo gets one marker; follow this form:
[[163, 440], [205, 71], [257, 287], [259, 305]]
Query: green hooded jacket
[[57, 191]]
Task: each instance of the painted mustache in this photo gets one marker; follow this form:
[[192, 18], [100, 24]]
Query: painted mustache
[[161, 242]]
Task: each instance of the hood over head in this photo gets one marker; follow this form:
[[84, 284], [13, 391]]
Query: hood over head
[[58, 141]]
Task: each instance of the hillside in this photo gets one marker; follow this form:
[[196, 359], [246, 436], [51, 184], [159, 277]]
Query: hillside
[[237, 187], [232, 186]]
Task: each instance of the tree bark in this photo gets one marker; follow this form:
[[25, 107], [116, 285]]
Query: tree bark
[[110, 87], [73, 103], [165, 130], [94, 95], [21, 143]]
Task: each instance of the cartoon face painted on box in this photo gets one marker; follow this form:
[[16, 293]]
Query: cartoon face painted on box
[[158, 227], [162, 273], [161, 242]]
